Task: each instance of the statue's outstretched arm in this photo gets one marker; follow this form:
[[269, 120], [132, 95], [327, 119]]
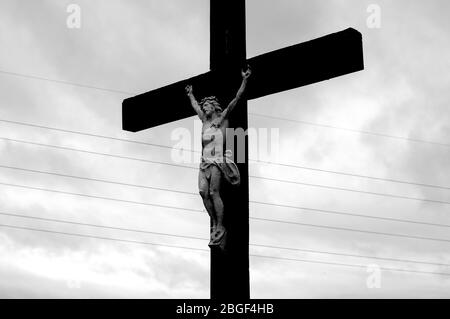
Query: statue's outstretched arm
[[245, 75], [194, 103]]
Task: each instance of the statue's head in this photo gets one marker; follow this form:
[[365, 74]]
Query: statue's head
[[209, 105]]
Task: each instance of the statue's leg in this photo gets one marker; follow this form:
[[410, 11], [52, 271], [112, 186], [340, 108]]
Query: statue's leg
[[214, 193], [203, 186]]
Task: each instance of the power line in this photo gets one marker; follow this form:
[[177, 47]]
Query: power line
[[351, 130], [352, 255], [353, 190], [354, 175], [201, 211], [351, 214], [90, 134], [95, 153], [64, 82], [98, 180], [201, 238], [205, 250], [351, 230], [347, 265], [251, 176], [251, 201], [101, 237], [251, 160], [250, 113], [63, 221], [101, 197]]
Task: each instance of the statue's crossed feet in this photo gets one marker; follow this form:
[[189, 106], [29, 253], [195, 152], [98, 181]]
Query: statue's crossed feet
[[218, 237]]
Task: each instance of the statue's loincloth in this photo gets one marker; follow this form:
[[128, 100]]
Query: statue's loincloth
[[225, 164]]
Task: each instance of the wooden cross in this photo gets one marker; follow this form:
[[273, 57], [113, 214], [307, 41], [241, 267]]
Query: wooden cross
[[298, 65]]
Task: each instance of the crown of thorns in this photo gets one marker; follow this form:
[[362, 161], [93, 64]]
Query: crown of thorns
[[212, 100]]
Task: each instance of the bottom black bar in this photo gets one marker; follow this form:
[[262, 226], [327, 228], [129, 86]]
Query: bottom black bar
[[205, 308]]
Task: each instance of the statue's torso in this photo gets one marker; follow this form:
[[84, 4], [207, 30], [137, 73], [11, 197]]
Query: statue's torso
[[213, 138]]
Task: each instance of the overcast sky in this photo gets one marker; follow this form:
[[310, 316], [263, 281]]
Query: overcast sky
[[135, 46]]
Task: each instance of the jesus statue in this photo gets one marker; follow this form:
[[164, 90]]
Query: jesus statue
[[216, 163]]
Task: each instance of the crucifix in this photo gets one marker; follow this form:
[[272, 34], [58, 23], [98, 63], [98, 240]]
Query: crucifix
[[288, 68]]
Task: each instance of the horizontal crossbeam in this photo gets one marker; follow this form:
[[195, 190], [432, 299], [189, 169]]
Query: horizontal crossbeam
[[309, 62]]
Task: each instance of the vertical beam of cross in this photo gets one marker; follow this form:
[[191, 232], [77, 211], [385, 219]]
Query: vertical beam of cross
[[230, 269]]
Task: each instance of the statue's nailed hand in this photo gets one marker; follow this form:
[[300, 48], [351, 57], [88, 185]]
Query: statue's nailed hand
[[188, 89], [246, 74]]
